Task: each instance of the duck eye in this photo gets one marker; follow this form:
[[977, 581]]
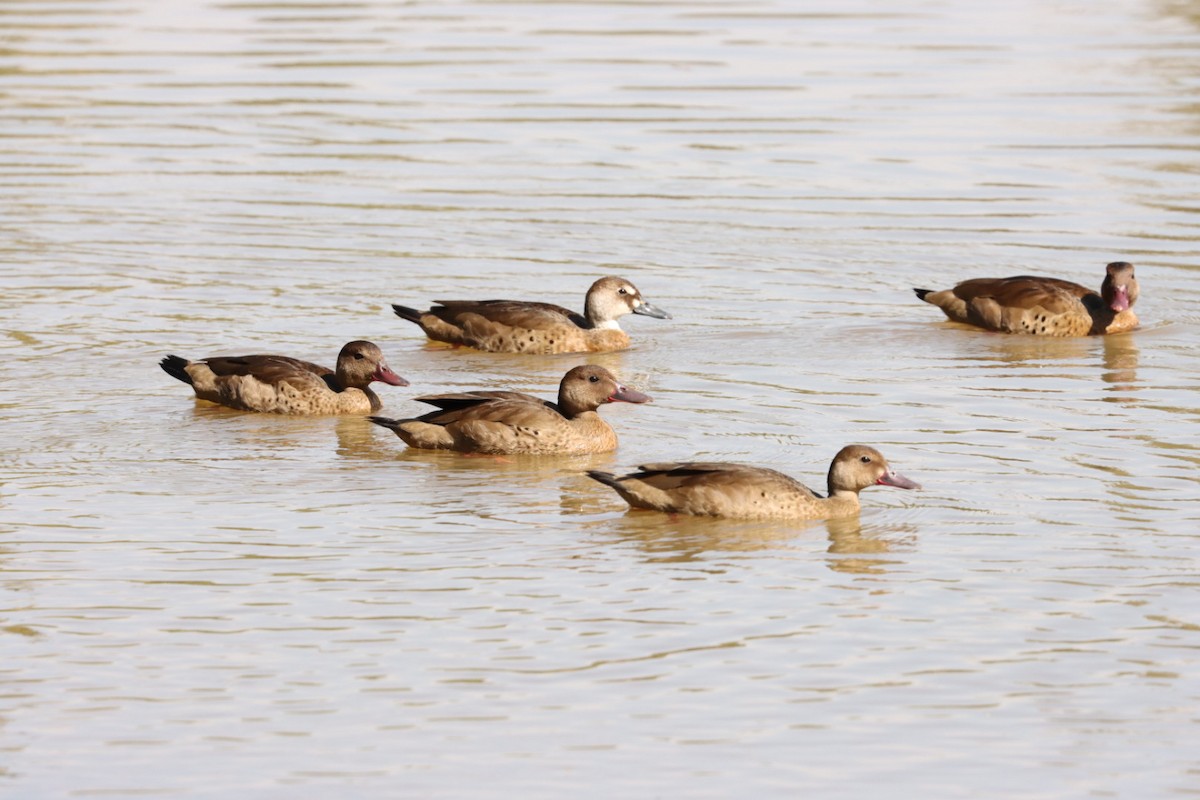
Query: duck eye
[[622, 291], [593, 378], [865, 459], [359, 356]]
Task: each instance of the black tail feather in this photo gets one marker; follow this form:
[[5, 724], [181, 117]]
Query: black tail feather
[[607, 478], [386, 422], [404, 312], [922, 292], [176, 368]]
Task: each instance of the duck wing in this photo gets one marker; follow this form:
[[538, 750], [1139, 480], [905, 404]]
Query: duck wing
[[305, 376], [727, 478], [513, 313], [265, 368], [1025, 292], [458, 401], [517, 410]]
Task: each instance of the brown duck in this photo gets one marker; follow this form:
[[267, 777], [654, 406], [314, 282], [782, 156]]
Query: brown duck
[[499, 422], [516, 326], [1042, 306], [745, 492], [282, 385]]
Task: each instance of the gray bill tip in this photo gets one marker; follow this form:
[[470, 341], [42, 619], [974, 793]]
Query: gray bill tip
[[893, 478], [624, 395], [650, 310]]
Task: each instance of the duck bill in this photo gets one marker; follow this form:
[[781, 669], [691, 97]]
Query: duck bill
[[648, 310], [624, 395], [384, 374], [893, 478], [1120, 300]]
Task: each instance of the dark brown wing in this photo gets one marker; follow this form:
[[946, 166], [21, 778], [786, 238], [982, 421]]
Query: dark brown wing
[[1024, 291], [514, 313], [684, 475], [262, 367], [459, 400], [515, 412], [274, 370]]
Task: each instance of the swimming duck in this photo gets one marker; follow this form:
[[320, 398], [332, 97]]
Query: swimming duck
[[1042, 306], [500, 422], [516, 326], [746, 492], [282, 385]]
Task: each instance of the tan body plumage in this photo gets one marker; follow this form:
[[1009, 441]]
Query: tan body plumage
[[745, 492], [1042, 306], [282, 385], [500, 422], [516, 326]]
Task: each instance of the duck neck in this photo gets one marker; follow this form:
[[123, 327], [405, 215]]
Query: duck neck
[[842, 501], [342, 380], [591, 426], [573, 409], [1122, 322], [597, 318], [1105, 320], [338, 385]]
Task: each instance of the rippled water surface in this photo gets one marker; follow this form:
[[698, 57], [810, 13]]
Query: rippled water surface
[[203, 603]]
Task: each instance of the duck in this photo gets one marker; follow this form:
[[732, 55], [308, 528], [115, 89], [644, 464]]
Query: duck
[[507, 423], [282, 385], [741, 491], [1037, 306], [517, 326]]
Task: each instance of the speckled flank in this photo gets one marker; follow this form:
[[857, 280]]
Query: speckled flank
[[1040, 322], [495, 337], [248, 393], [586, 433]]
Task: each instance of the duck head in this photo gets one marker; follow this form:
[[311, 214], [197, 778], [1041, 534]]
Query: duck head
[[362, 362], [1120, 287], [857, 466], [588, 387], [611, 298]]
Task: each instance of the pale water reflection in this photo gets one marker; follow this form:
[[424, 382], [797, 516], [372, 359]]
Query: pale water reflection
[[204, 603]]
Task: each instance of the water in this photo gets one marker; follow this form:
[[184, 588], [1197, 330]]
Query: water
[[202, 603]]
